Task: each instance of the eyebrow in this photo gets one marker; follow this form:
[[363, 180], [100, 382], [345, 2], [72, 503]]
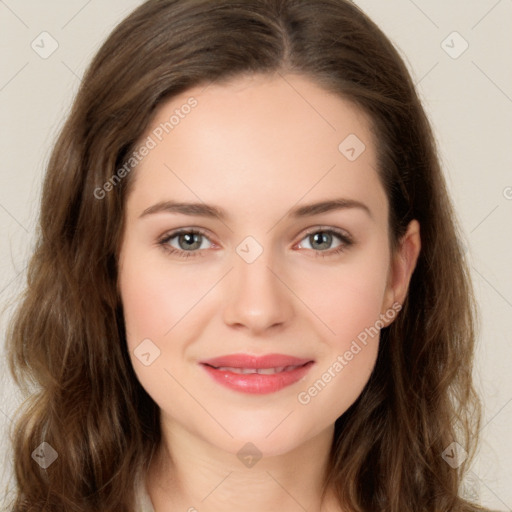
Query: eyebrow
[[210, 211]]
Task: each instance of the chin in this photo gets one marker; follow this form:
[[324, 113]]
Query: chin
[[264, 437]]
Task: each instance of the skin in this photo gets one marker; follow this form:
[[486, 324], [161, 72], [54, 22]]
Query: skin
[[257, 147]]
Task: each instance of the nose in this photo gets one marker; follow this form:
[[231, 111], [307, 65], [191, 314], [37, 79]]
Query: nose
[[257, 298]]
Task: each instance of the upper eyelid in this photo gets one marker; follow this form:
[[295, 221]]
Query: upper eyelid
[[338, 231], [179, 231]]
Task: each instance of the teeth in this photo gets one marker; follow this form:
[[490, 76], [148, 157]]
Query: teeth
[[269, 371], [261, 371]]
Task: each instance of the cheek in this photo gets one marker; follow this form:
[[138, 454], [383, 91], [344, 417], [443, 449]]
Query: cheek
[[144, 306], [350, 308], [155, 298], [351, 299], [349, 354], [154, 302]]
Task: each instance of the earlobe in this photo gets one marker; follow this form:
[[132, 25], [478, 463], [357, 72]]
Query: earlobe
[[403, 265]]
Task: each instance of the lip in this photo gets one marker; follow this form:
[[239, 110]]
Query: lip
[[256, 383]]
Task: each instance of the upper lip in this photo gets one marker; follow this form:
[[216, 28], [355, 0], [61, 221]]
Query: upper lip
[[250, 361]]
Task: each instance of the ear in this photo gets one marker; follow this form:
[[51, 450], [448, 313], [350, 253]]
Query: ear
[[402, 266]]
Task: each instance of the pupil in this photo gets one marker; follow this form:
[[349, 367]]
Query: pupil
[[190, 240], [323, 239]]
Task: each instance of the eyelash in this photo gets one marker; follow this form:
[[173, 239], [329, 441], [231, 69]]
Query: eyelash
[[164, 242]]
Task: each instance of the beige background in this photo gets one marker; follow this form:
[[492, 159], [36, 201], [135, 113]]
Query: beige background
[[468, 98]]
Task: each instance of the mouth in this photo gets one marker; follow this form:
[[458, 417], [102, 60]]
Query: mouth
[[260, 371], [257, 375]]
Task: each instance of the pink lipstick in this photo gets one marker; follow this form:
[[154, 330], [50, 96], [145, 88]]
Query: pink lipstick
[[257, 374]]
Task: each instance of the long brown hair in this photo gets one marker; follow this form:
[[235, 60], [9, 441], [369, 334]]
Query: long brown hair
[[67, 343]]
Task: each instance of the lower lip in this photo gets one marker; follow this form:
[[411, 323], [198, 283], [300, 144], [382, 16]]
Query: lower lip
[[256, 383]]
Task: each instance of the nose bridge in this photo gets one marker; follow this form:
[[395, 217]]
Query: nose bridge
[[257, 298]]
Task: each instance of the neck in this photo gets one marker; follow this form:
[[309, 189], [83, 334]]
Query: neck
[[190, 474]]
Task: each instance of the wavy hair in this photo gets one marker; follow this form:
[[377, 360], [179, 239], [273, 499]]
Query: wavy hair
[[66, 341]]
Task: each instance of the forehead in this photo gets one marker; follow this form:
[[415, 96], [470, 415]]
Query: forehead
[[256, 142]]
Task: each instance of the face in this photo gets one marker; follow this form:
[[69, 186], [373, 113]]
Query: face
[[254, 269]]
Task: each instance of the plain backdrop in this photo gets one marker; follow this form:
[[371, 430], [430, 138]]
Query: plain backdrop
[[459, 55]]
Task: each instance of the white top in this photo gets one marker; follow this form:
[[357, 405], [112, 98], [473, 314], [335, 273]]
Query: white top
[[142, 499]]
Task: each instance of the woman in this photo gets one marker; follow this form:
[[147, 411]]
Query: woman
[[191, 348]]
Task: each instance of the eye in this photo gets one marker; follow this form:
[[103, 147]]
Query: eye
[[320, 240], [184, 242], [188, 243]]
